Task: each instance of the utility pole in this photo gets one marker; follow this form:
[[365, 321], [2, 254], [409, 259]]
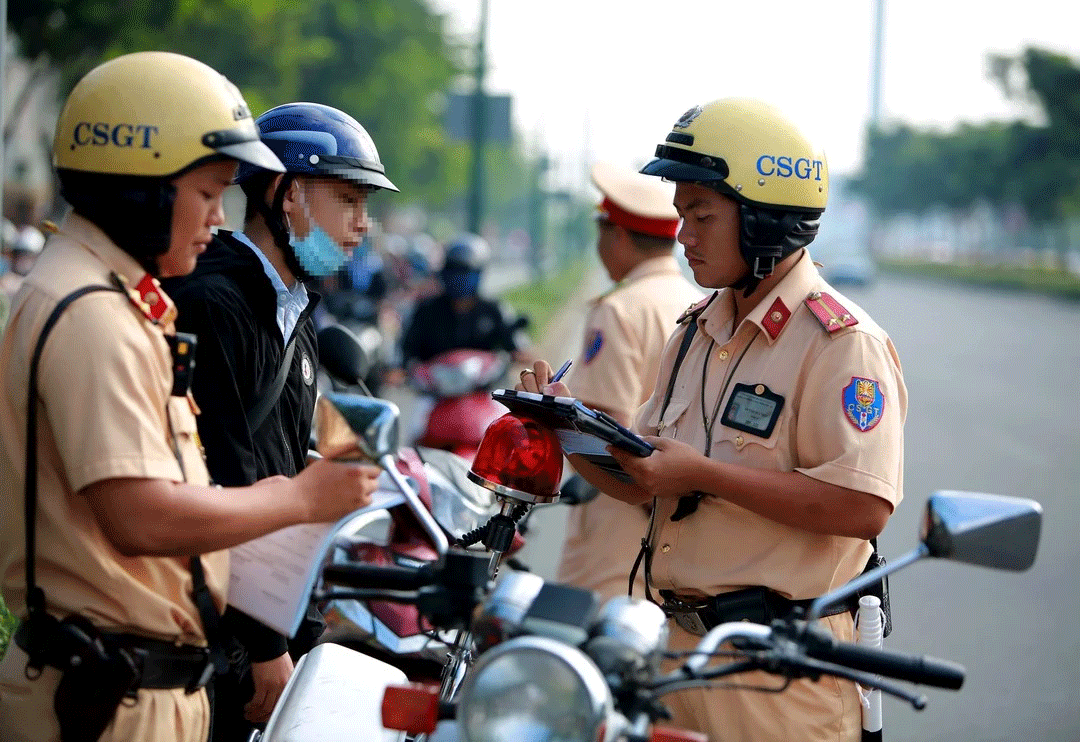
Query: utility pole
[[873, 226], [3, 100], [538, 217], [875, 78], [479, 133]]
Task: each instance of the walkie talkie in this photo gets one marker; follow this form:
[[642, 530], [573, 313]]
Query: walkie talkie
[[182, 348]]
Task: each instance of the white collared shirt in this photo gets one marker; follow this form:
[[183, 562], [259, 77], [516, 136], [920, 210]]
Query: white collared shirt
[[290, 302]]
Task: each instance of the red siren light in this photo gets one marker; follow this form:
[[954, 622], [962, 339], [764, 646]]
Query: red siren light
[[519, 458]]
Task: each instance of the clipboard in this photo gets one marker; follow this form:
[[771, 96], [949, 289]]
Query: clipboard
[[581, 430]]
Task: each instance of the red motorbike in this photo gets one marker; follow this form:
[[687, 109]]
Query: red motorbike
[[456, 386]]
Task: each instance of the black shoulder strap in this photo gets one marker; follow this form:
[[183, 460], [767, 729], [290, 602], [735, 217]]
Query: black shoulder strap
[[688, 336], [256, 415], [35, 596]]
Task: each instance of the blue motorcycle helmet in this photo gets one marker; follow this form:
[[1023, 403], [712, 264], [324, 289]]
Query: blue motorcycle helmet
[[311, 140], [464, 261]]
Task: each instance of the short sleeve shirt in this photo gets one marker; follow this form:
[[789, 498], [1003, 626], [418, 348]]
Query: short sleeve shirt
[[840, 421], [625, 332], [104, 412]]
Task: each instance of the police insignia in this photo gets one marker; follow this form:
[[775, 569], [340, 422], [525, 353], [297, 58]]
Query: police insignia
[[687, 118], [307, 370], [863, 403], [593, 342]]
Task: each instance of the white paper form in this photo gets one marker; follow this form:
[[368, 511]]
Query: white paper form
[[271, 577], [593, 449]]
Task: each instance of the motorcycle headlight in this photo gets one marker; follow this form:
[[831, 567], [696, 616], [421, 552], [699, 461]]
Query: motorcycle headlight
[[451, 381], [534, 689]]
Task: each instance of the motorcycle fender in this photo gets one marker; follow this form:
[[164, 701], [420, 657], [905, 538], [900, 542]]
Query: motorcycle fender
[[334, 693], [461, 420]]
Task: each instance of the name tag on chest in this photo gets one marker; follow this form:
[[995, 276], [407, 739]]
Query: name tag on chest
[[753, 409]]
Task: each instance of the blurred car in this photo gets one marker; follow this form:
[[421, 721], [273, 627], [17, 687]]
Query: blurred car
[[852, 269]]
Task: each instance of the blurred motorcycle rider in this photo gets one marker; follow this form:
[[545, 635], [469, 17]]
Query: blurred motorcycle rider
[[459, 317], [258, 354], [23, 251], [119, 611], [20, 250]]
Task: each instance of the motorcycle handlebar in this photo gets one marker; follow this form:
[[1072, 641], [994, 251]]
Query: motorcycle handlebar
[[371, 576], [912, 668], [818, 644]]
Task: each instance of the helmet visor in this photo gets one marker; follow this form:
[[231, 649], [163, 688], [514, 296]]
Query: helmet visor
[[363, 172], [240, 146], [677, 164]]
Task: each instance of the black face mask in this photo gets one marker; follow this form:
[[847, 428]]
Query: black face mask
[[134, 212], [460, 284]]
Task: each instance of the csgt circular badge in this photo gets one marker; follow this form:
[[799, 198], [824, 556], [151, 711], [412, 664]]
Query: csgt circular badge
[[306, 369]]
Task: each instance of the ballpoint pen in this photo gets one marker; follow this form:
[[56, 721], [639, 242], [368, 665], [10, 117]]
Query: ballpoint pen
[[562, 370]]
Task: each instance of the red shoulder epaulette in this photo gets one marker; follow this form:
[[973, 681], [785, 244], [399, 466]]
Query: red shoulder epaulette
[[695, 309], [829, 312], [146, 296]]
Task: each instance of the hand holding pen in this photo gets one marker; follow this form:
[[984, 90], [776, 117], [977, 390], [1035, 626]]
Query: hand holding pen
[[538, 377]]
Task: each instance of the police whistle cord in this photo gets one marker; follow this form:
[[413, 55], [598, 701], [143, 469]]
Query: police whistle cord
[[499, 528]]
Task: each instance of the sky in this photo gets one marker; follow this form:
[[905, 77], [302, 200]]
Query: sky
[[605, 79]]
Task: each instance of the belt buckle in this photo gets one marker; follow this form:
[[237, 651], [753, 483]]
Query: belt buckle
[[685, 615], [691, 623], [203, 677]]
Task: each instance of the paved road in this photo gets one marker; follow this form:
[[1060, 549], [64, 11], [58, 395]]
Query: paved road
[[990, 377]]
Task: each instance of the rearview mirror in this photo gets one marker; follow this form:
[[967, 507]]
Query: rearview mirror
[[987, 530], [365, 424], [342, 354]]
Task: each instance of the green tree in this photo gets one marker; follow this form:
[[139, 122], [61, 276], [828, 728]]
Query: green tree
[[386, 62], [1036, 166]]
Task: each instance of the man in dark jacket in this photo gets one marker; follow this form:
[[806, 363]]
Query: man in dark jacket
[[257, 353], [460, 317]]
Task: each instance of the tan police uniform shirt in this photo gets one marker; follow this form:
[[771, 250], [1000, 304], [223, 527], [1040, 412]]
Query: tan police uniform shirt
[[625, 333], [823, 431], [105, 412]]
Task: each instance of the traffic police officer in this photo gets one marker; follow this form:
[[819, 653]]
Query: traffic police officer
[[779, 436], [624, 333], [117, 605]]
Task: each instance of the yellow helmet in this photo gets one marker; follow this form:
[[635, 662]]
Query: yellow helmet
[[748, 150], [751, 152], [155, 114]]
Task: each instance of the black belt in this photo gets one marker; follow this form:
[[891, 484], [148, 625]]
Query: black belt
[[159, 664], [754, 604]]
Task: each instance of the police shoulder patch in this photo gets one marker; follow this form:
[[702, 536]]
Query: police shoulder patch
[[594, 341], [863, 403], [832, 315]]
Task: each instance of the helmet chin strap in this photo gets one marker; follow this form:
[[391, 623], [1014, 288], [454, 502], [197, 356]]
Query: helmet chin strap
[[762, 268], [275, 219]]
